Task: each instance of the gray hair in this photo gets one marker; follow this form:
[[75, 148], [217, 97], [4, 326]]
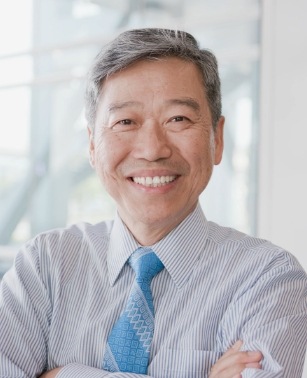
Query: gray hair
[[150, 44]]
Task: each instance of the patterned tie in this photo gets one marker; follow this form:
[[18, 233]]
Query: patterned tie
[[129, 341]]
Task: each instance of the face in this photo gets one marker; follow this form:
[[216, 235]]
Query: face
[[154, 146]]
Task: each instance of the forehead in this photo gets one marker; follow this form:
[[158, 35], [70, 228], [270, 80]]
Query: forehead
[[159, 61], [163, 77]]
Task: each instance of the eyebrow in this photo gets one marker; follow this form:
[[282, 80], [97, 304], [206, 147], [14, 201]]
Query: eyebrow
[[121, 105], [186, 101]]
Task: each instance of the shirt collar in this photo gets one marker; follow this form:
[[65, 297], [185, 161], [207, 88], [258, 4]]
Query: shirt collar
[[122, 245], [182, 247], [179, 251]]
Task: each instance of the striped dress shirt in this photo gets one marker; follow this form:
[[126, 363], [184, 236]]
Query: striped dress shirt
[[68, 287]]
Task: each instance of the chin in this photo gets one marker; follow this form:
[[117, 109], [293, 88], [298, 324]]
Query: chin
[[160, 216]]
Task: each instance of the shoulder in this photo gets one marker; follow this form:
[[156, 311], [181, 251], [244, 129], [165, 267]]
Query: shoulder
[[248, 252], [73, 234], [66, 246], [60, 254]]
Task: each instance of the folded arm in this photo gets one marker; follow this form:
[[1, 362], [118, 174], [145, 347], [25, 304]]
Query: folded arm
[[273, 319]]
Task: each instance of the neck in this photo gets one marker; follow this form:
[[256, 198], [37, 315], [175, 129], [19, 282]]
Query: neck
[[147, 234]]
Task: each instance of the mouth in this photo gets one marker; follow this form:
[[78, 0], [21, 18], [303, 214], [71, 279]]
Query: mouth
[[154, 182]]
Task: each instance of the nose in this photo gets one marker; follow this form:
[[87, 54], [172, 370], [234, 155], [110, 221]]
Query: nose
[[152, 142]]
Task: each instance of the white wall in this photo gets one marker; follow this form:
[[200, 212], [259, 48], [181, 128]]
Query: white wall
[[282, 207]]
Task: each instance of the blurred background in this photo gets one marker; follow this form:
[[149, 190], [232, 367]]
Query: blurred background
[[46, 47]]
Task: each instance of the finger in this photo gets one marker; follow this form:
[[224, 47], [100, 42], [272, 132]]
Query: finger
[[253, 365], [234, 370], [235, 348], [229, 372], [237, 345], [234, 363]]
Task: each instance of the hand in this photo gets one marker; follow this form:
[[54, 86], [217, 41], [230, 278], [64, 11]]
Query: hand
[[51, 373], [234, 361]]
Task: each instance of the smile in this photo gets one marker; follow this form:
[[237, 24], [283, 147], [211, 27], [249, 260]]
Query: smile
[[153, 182]]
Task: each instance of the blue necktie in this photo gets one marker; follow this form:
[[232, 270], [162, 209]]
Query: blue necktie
[[128, 345]]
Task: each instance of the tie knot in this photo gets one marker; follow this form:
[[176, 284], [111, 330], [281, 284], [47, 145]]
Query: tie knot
[[145, 264]]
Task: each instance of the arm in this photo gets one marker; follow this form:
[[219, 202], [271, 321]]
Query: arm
[[82, 371], [273, 319], [25, 312], [51, 373], [230, 365]]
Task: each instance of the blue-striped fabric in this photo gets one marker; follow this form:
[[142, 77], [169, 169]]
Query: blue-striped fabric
[[68, 287]]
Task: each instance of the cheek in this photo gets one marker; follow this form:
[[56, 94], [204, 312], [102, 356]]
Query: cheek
[[110, 151], [202, 150], [201, 158], [101, 155]]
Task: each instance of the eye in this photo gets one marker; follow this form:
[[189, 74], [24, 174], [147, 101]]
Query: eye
[[125, 122], [179, 123], [178, 119]]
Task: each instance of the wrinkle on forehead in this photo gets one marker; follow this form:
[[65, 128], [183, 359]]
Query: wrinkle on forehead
[[184, 101]]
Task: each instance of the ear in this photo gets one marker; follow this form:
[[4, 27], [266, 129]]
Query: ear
[[219, 140], [91, 146]]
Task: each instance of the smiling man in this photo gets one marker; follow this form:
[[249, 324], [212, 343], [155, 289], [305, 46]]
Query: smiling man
[[160, 291], [157, 119]]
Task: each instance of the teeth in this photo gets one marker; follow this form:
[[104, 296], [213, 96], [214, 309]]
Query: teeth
[[153, 181]]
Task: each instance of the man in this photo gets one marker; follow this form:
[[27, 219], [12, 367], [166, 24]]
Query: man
[[221, 304]]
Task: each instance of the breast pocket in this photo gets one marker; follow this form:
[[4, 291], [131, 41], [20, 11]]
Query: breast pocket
[[179, 363]]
